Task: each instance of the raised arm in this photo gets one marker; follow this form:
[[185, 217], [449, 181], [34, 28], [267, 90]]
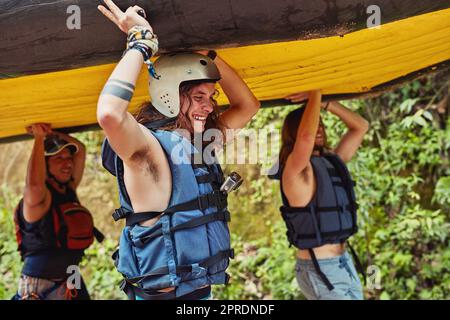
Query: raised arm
[[299, 158], [126, 136], [79, 159], [357, 128], [243, 103], [36, 197]]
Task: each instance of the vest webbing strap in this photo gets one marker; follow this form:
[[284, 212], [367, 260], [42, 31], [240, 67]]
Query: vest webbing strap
[[99, 236], [319, 271], [318, 209], [359, 266], [210, 177], [345, 176], [324, 234], [186, 268], [224, 216], [132, 292], [213, 199]]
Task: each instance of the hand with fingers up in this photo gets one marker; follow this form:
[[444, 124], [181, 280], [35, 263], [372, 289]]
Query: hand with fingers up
[[124, 20]]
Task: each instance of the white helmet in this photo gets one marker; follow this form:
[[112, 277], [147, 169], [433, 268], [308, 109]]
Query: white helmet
[[171, 71]]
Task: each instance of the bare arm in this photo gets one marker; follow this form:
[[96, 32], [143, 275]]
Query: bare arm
[[300, 156], [79, 159], [357, 128], [126, 136], [243, 103], [36, 197]]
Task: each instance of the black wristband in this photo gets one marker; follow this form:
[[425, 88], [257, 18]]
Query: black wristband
[[212, 54], [146, 52]]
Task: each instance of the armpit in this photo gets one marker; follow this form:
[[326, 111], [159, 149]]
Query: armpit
[[143, 159]]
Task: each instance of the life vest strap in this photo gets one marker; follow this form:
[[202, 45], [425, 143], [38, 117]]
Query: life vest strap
[[138, 217], [99, 236], [319, 271], [213, 199], [223, 216], [132, 291], [216, 199], [317, 209], [358, 263], [324, 234], [207, 178], [210, 261]]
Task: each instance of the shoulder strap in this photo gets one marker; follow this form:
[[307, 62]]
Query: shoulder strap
[[283, 196], [108, 156], [343, 172], [159, 123]]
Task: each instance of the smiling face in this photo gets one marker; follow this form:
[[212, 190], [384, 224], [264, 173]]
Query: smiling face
[[61, 165], [197, 104]]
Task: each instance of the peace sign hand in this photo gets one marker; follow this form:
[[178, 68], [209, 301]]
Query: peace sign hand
[[124, 20]]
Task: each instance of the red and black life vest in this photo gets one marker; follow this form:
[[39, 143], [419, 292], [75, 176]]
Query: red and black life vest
[[67, 225]]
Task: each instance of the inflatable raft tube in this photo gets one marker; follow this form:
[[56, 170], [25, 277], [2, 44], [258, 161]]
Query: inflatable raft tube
[[53, 74]]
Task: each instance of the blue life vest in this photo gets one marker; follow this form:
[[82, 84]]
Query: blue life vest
[[189, 246], [330, 216]]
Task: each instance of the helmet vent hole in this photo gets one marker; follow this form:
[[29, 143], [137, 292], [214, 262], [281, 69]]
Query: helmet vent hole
[[203, 62]]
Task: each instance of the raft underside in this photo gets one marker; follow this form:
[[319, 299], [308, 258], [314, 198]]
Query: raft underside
[[355, 64]]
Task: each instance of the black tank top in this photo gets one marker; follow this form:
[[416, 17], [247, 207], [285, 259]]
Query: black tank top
[[49, 262]]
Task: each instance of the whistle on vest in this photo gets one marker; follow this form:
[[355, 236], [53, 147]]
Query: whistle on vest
[[232, 182]]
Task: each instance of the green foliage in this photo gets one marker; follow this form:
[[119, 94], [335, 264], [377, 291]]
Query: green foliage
[[262, 269], [9, 256], [98, 269], [413, 253]]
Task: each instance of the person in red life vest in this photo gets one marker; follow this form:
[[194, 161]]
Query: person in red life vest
[[52, 228]]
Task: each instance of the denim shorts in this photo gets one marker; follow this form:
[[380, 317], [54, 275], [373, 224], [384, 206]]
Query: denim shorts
[[340, 271]]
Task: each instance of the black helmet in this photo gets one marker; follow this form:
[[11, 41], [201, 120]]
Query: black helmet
[[53, 144]]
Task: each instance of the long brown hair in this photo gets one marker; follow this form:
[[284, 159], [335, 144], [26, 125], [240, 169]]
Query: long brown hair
[[289, 135], [147, 113]]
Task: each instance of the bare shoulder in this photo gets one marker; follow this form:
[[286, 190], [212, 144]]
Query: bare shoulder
[[34, 212]]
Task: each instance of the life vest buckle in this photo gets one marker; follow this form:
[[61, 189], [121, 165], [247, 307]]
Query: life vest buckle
[[120, 214], [219, 199]]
